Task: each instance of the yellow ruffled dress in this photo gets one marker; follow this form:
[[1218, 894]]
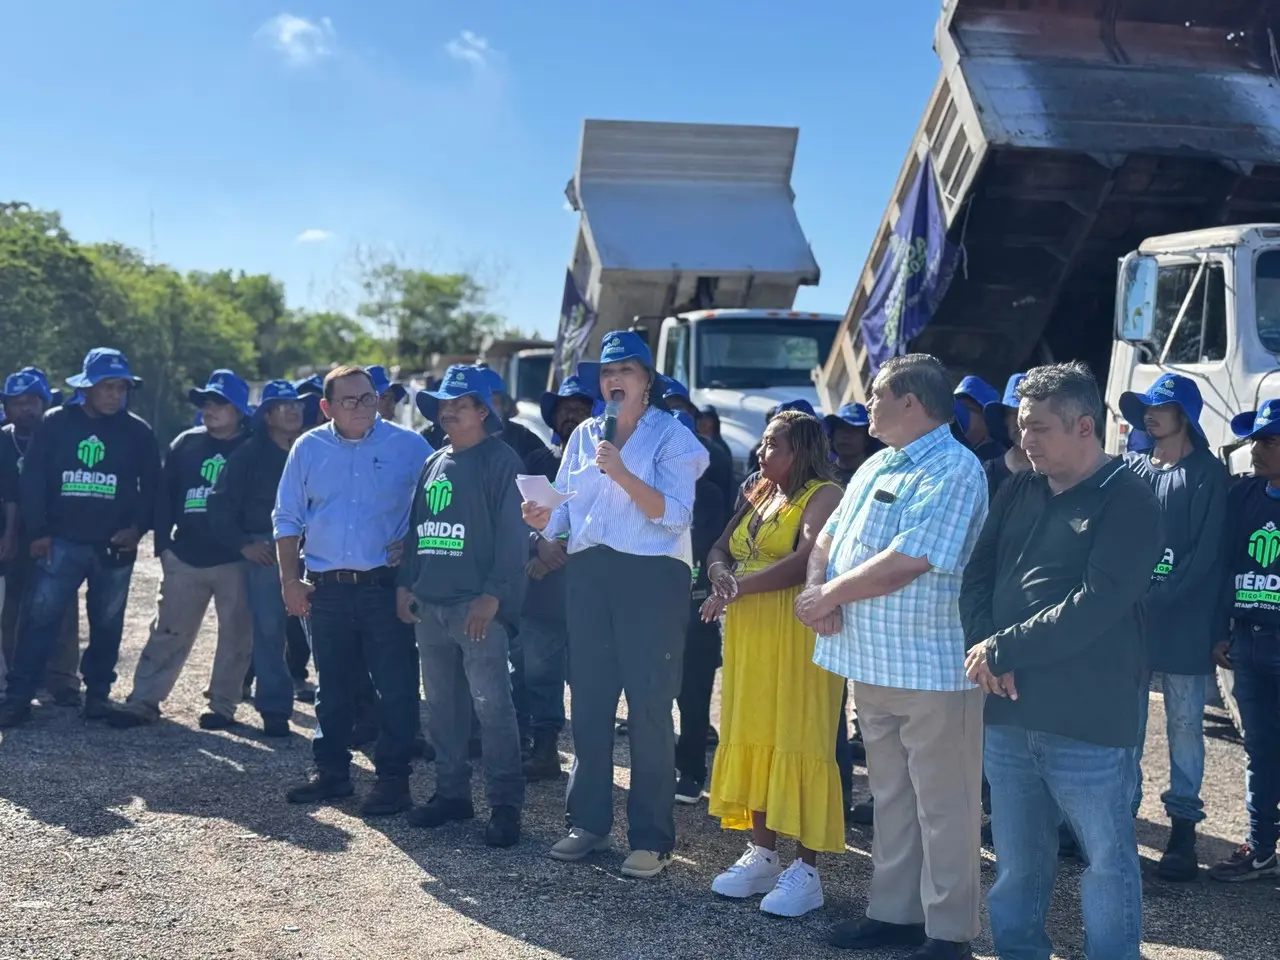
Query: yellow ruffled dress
[[778, 712]]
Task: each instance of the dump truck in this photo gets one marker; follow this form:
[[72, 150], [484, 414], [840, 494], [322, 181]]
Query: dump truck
[[688, 234]]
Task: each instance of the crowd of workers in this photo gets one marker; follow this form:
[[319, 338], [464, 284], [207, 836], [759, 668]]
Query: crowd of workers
[[999, 590]]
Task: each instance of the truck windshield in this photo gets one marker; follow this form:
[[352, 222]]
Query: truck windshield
[[532, 374], [746, 352], [1198, 295], [1267, 299]]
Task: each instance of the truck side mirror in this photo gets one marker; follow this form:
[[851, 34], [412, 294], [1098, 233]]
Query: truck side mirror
[[1137, 320]]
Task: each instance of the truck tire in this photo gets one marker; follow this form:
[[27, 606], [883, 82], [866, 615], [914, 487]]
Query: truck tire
[[1226, 689]]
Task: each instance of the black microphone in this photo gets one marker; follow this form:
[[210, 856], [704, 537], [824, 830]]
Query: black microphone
[[611, 417]]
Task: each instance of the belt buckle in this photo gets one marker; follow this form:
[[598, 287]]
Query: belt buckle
[[347, 576]]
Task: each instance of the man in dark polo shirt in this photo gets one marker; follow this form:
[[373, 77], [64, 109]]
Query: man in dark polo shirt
[[1051, 611]]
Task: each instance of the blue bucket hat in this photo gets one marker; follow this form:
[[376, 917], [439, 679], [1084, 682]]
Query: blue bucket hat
[[225, 385], [1139, 442], [273, 391], [961, 414], [977, 390], [313, 384], [994, 411], [382, 382], [103, 363], [1263, 422], [570, 387], [800, 404], [461, 380], [853, 414], [685, 419], [494, 379], [1170, 388], [618, 345], [27, 381]]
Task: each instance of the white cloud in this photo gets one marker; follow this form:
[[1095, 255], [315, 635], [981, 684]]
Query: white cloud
[[314, 235], [299, 40], [472, 49]]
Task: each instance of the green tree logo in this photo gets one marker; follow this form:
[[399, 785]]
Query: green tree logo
[[439, 494], [212, 467], [91, 451], [1264, 545]]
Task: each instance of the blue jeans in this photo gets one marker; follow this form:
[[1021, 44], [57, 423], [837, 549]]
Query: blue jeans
[[1184, 698], [356, 636], [1033, 775], [55, 581], [461, 673], [1255, 657], [273, 684], [538, 660]]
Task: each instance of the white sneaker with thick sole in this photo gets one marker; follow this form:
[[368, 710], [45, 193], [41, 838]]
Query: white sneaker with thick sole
[[798, 891], [757, 871]]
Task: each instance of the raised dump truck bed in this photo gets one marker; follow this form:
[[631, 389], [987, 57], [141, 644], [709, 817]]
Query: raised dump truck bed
[[1064, 133]]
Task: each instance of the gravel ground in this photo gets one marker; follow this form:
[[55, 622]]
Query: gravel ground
[[173, 842]]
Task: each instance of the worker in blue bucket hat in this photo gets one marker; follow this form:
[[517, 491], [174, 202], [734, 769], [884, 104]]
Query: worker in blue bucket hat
[[390, 392], [89, 484], [1001, 417], [1181, 621], [849, 430], [974, 393]]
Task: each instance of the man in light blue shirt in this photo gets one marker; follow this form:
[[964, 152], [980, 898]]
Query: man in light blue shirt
[[884, 587], [347, 488]]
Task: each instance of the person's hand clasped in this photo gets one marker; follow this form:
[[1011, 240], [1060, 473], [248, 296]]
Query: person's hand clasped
[[297, 598], [723, 582], [41, 548], [552, 554], [395, 552], [534, 515], [406, 604], [480, 613], [1222, 654], [535, 569], [978, 670], [713, 608], [609, 460], [812, 608], [831, 624], [258, 552], [126, 539]]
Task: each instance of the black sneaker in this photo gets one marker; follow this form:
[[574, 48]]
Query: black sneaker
[[215, 721], [438, 811], [620, 728], [389, 796], [858, 753], [127, 718], [67, 697], [304, 691], [864, 813], [321, 787], [275, 727], [1243, 865], [688, 791], [504, 827], [867, 934], [14, 713], [98, 708]]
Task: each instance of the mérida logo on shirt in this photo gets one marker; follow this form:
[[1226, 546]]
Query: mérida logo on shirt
[[1261, 589], [439, 537], [89, 483], [197, 498]]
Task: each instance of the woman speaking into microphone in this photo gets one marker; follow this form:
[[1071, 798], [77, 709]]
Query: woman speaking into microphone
[[632, 472]]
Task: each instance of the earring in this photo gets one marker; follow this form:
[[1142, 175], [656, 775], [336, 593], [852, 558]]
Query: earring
[[645, 402]]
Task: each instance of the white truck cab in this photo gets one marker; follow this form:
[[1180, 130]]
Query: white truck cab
[[1204, 304], [744, 363]]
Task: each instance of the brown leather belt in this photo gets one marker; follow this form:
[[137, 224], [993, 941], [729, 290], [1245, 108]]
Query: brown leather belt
[[376, 575]]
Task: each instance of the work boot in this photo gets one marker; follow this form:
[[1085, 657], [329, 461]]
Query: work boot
[[504, 827], [14, 713], [390, 795], [212, 720], [322, 786], [544, 758], [1179, 863], [67, 697], [439, 810], [132, 715], [98, 708], [421, 749]]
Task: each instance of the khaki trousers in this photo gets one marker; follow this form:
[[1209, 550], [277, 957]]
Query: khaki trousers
[[181, 602], [924, 766]]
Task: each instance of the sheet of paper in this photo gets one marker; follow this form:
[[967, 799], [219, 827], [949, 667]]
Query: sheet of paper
[[538, 489]]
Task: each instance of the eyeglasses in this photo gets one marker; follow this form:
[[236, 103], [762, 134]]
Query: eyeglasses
[[364, 400]]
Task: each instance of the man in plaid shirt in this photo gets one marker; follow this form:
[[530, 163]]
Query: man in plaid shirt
[[883, 595]]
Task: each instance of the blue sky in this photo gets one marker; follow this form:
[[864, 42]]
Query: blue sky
[[283, 139]]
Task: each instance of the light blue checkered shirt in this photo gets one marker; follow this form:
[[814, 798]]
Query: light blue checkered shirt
[[911, 639]]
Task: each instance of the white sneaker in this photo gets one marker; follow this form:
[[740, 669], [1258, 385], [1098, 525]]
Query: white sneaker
[[798, 891], [756, 871]]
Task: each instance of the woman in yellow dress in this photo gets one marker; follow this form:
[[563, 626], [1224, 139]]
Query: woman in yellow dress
[[775, 769]]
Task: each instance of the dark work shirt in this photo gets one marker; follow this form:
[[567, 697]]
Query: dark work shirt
[[434, 434], [466, 534], [1251, 554], [85, 479], [1181, 613], [522, 440], [719, 470], [710, 514], [997, 472], [196, 460], [989, 449], [1056, 583], [11, 448], [241, 502], [545, 598]]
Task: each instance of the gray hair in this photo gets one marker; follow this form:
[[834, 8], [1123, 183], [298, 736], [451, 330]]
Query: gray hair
[[1070, 390], [924, 376]]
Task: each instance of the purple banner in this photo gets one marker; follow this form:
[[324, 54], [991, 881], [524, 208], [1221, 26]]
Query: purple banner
[[577, 320], [914, 275]]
